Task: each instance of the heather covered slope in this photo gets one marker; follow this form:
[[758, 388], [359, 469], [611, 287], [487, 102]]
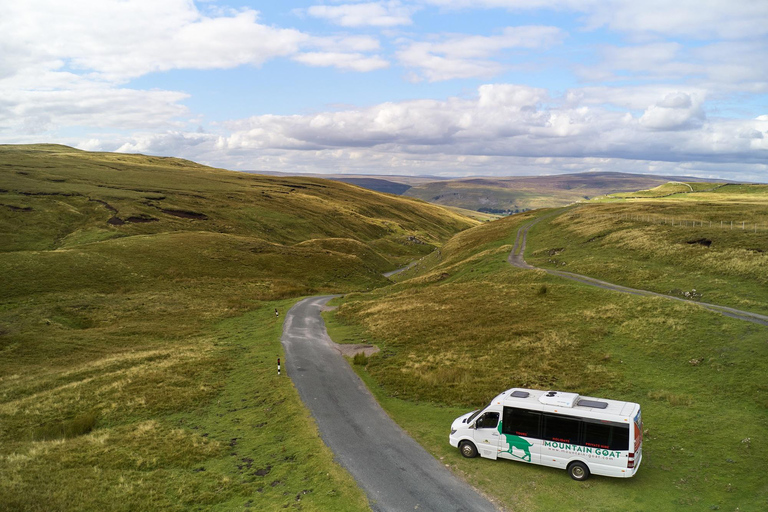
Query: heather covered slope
[[63, 197]]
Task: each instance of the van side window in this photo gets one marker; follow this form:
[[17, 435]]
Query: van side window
[[521, 422], [488, 420], [561, 429]]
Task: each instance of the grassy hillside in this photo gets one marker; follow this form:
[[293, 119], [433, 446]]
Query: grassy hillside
[[138, 339], [714, 241], [465, 325], [672, 188], [62, 197]]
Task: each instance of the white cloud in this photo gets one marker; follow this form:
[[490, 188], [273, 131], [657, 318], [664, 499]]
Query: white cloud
[[375, 14], [115, 40], [44, 111], [345, 43], [395, 161], [504, 129], [466, 56], [507, 120], [739, 19], [64, 63], [720, 67], [677, 111], [351, 61]]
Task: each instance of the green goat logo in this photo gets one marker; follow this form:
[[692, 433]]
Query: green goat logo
[[519, 443]]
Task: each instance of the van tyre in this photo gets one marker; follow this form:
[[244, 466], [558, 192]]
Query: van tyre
[[468, 449], [578, 471]]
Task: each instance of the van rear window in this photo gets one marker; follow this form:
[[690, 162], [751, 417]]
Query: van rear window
[[609, 436]]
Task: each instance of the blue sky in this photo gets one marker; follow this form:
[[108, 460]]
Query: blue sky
[[438, 87]]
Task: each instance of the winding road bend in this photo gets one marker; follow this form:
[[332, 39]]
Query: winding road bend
[[395, 472], [516, 259]]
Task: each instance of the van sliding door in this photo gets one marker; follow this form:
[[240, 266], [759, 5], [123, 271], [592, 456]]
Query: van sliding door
[[520, 435]]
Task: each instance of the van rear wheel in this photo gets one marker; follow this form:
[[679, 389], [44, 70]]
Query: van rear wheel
[[468, 449], [578, 471]]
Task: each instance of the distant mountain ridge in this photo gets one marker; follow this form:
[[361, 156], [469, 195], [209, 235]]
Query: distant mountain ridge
[[508, 194]]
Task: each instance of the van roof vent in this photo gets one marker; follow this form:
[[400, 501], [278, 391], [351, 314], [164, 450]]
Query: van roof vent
[[593, 403], [559, 398], [520, 394]]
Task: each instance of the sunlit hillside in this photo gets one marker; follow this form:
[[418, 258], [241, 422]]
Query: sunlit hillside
[[463, 325], [140, 317], [704, 236]]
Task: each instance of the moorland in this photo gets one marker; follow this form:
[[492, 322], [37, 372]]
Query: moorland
[[464, 324], [138, 334], [509, 194]]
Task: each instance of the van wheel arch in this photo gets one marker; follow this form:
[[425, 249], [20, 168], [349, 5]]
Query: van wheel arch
[[578, 470], [468, 449]]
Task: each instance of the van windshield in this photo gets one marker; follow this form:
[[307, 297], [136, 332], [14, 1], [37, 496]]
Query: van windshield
[[474, 414]]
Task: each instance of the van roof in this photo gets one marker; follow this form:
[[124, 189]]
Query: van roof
[[567, 403]]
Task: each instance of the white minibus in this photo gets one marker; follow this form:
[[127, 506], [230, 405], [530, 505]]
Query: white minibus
[[582, 435]]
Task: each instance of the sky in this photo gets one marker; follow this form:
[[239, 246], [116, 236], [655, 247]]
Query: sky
[[396, 87]]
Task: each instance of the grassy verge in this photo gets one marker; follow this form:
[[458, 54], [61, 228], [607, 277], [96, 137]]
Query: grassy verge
[[248, 444], [470, 326]]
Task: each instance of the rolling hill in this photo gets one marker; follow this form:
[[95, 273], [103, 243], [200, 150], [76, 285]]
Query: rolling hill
[[512, 194], [140, 324], [521, 193], [463, 325], [141, 309]]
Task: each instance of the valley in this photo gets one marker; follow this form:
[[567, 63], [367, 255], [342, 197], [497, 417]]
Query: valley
[[138, 339]]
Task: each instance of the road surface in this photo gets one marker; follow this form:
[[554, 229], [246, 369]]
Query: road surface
[[395, 472]]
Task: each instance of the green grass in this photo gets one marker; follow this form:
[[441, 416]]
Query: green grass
[[137, 359], [673, 188], [137, 336], [249, 444], [635, 244], [54, 197], [469, 325]]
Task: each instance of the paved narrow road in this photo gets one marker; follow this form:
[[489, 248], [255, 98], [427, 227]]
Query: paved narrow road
[[516, 259], [396, 473]]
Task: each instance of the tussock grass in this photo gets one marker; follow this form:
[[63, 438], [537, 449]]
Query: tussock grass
[[137, 335], [628, 243], [673, 399], [78, 426], [200, 421]]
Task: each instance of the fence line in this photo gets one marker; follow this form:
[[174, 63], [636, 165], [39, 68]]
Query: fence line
[[732, 225]]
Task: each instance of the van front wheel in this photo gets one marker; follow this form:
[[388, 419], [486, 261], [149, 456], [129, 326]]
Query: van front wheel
[[468, 449], [578, 471]]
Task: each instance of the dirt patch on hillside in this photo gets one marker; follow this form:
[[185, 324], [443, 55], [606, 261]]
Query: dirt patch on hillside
[[350, 349], [353, 350]]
